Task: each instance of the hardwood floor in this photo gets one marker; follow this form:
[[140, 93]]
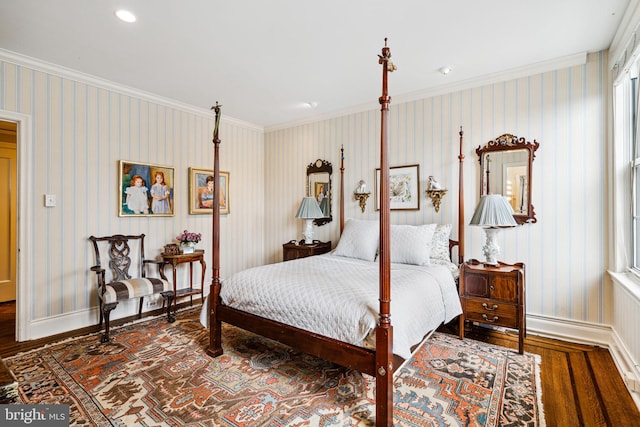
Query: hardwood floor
[[581, 385], [9, 346]]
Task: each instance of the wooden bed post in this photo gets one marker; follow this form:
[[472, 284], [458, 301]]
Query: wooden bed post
[[341, 189], [384, 330], [215, 325], [460, 204], [379, 363]]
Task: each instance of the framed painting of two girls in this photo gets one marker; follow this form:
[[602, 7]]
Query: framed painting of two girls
[[145, 189]]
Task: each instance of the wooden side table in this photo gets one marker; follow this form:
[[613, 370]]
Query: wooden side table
[[174, 261], [294, 250], [494, 295]]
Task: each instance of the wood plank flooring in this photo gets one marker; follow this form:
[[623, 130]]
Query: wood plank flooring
[[581, 385]]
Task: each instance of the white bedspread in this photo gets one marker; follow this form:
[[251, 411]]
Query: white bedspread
[[338, 297]]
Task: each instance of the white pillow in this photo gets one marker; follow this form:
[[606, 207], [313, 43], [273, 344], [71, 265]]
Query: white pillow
[[411, 244], [440, 242], [359, 240]]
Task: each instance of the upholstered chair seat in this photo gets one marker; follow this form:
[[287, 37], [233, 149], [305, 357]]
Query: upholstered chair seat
[[124, 254]]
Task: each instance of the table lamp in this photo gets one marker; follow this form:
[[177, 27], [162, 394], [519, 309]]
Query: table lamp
[[309, 210], [492, 213]]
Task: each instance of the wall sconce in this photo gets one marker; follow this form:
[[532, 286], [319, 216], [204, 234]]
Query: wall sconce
[[435, 192], [361, 194]]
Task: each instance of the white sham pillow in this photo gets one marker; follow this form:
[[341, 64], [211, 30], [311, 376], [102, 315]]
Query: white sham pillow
[[359, 240], [411, 244], [440, 242]]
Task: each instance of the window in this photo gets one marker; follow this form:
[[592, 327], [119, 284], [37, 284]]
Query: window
[[631, 111], [626, 181]]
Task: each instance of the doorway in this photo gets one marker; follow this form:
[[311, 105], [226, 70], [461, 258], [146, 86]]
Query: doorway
[[8, 221]]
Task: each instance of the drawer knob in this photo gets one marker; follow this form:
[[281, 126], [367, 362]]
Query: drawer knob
[[485, 317], [492, 308]]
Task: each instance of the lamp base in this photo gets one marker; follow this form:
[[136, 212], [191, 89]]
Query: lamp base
[[490, 249], [308, 232]]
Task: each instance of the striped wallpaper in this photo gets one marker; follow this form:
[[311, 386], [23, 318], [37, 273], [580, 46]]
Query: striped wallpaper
[[79, 133], [81, 129], [564, 110]]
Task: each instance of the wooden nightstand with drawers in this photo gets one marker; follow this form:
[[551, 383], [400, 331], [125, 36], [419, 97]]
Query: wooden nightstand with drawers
[[295, 250], [494, 295]]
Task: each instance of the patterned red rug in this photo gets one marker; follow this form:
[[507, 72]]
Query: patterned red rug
[[158, 374]]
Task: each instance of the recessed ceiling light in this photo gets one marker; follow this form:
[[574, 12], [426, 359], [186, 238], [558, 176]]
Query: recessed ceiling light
[[126, 16], [445, 70], [311, 104]]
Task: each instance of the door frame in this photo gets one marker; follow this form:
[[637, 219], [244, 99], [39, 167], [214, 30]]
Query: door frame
[[25, 203]]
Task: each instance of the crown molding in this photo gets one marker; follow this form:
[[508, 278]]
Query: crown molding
[[510, 74], [624, 43], [501, 76], [68, 73], [60, 71]]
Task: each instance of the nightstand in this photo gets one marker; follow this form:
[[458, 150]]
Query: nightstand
[[493, 295], [174, 260], [295, 250]]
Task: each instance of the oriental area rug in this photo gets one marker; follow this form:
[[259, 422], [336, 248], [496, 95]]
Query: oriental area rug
[[158, 374]]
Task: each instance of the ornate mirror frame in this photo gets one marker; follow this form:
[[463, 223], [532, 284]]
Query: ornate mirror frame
[[317, 173], [496, 159]]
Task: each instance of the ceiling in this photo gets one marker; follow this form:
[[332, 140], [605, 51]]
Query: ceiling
[[264, 60]]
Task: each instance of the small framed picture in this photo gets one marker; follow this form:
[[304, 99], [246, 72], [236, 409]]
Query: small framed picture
[[404, 187], [201, 195], [145, 189]]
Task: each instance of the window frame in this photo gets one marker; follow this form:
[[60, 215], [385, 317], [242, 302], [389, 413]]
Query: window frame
[[625, 163], [626, 166], [634, 163]]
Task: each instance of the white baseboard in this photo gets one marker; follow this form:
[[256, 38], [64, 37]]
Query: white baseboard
[[629, 370], [569, 330], [54, 325], [591, 334], [48, 326]]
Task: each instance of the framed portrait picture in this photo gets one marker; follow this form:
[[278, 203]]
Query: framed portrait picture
[[145, 189], [321, 190], [201, 191], [404, 187]]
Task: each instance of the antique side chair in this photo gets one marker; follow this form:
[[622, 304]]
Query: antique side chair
[[122, 254]]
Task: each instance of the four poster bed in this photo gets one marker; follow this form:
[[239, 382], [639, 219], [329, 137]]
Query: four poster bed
[[306, 300]]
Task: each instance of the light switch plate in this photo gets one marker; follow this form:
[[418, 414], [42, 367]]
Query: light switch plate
[[49, 200]]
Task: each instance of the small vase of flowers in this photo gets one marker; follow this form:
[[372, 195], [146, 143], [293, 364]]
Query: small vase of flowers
[[188, 241]]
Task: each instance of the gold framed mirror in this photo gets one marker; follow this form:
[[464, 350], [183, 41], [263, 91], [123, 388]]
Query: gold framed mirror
[[505, 168], [319, 186]]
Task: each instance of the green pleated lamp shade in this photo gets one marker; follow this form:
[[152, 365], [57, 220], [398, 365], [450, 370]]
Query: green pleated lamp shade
[[493, 211], [309, 209]]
